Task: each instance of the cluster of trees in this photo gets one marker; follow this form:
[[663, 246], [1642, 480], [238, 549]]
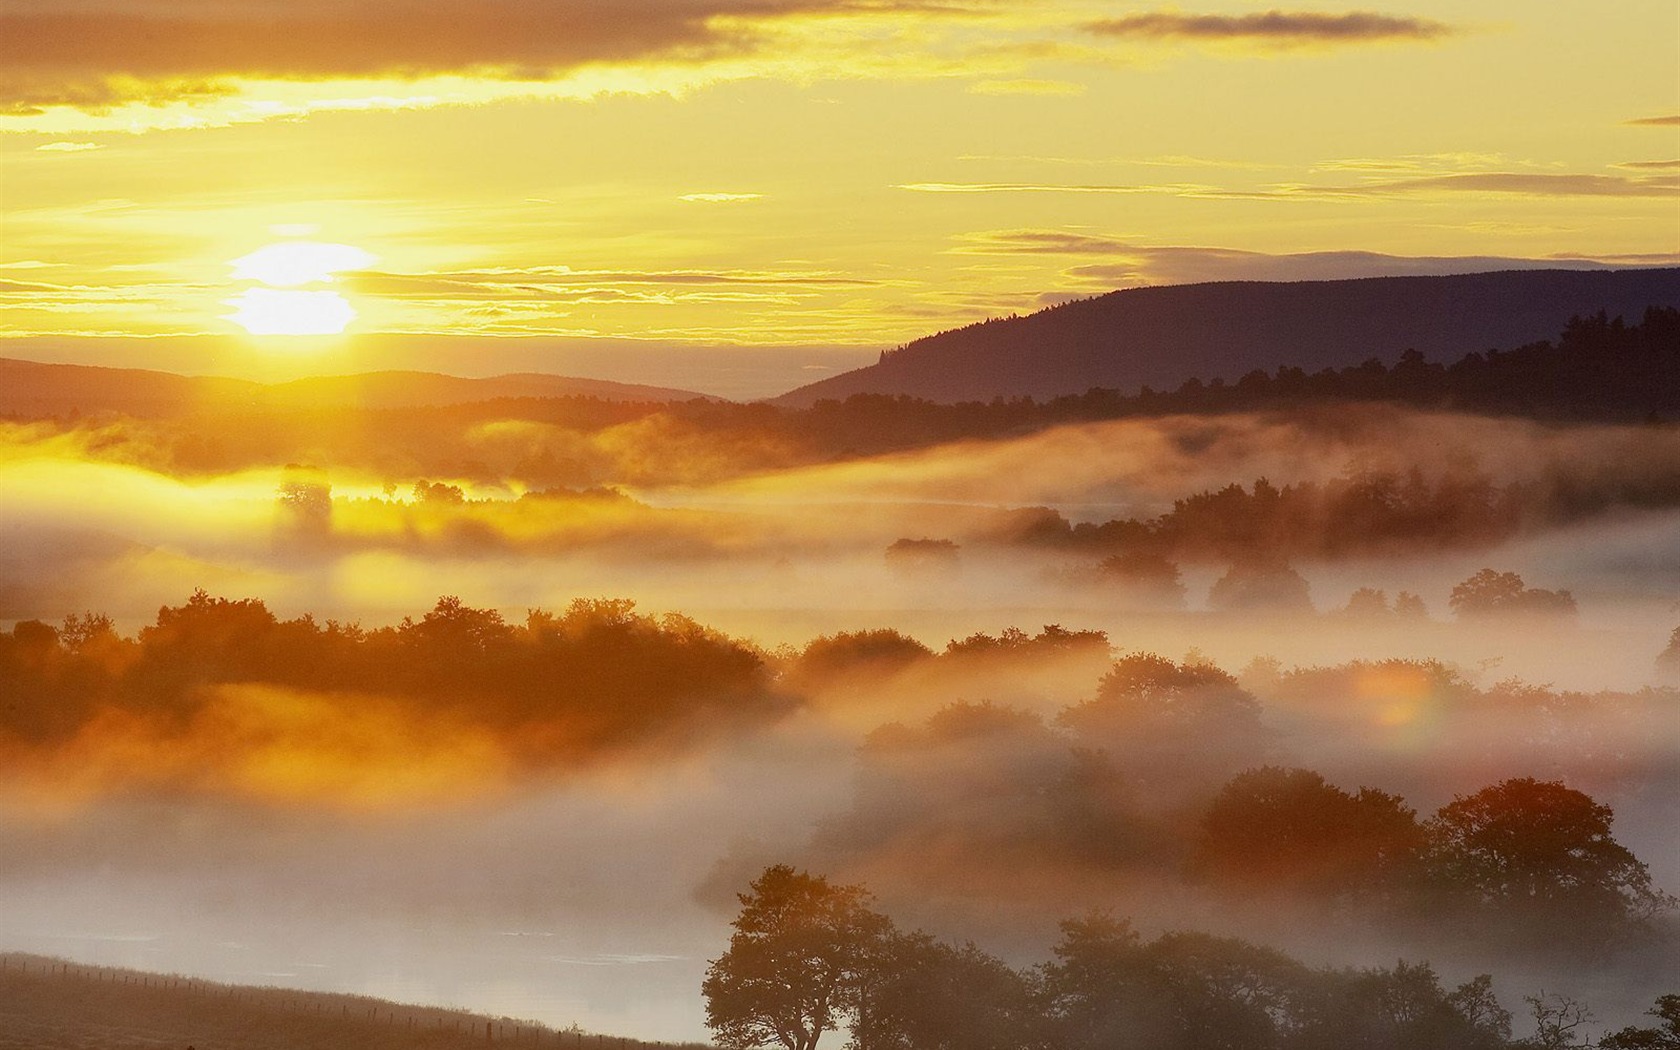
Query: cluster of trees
[[596, 675], [1165, 773], [1273, 585], [1491, 593], [865, 657], [808, 956], [923, 557], [1367, 512]]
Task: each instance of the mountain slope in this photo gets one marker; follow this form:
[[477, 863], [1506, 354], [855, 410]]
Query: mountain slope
[[29, 388], [1163, 336]]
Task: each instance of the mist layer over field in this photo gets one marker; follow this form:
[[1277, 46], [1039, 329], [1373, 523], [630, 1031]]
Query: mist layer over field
[[537, 795]]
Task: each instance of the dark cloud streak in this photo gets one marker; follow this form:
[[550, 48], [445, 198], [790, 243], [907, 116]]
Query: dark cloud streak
[[1276, 28]]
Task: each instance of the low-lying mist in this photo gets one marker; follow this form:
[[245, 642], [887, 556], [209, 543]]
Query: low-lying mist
[[586, 791], [505, 715]]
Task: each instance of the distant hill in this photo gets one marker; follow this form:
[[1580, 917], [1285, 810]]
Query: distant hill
[[1162, 336], [50, 1004], [29, 388]]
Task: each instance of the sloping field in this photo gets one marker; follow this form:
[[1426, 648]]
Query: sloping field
[[48, 1004]]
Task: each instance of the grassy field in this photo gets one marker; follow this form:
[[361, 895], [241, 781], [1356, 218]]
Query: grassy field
[[50, 1004]]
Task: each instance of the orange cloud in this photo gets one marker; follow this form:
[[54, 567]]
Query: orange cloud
[[110, 52]]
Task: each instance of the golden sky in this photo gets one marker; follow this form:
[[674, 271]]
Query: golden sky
[[795, 173]]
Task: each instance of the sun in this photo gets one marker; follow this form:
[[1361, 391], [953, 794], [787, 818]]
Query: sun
[[293, 263], [269, 311], [280, 301]]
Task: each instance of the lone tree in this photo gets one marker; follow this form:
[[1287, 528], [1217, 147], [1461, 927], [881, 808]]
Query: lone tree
[[1490, 593], [797, 963], [1541, 856]]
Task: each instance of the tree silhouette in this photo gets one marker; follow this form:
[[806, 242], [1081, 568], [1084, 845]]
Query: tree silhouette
[[1289, 829], [1176, 728], [1491, 593], [797, 964], [1666, 1037], [1538, 858], [1261, 584], [1668, 661], [923, 994], [1558, 1021], [923, 557], [1144, 577]]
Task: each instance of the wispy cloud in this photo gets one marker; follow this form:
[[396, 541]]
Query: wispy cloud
[[1274, 29], [1038, 187], [68, 147], [1525, 184], [720, 198], [1672, 120], [1171, 160], [1040, 242], [1120, 261], [1492, 183], [498, 279]]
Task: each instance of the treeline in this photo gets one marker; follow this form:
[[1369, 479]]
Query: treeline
[[596, 676], [809, 956], [1599, 369]]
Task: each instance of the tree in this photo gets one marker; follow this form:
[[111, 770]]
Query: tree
[[1093, 991], [1367, 603], [924, 994], [1410, 606], [1144, 578], [797, 964], [305, 500], [1289, 829], [1490, 593], [1667, 1037], [882, 651], [1404, 1008], [1178, 729], [1540, 856], [1668, 661], [1261, 584], [923, 557], [1557, 1019], [1182, 991]]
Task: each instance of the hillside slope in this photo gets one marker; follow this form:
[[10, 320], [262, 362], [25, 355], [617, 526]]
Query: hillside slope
[[48, 1004], [1163, 336]]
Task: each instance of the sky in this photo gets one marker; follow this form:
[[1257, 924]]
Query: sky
[[744, 195]]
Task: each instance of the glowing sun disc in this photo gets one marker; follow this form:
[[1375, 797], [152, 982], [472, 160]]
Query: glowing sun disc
[[265, 311], [291, 263]]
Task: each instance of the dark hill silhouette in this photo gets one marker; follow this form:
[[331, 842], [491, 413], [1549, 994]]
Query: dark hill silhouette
[[29, 388], [1162, 336]]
